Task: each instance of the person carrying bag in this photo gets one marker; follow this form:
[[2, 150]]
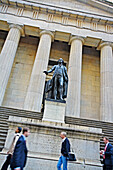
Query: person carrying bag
[[71, 155]]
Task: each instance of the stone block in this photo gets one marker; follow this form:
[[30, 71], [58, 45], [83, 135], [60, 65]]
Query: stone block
[[54, 111], [44, 144]]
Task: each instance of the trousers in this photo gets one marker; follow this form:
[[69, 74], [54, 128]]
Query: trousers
[[62, 160], [6, 163]]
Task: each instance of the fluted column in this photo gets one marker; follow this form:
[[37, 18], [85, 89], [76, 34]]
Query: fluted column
[[106, 80], [7, 57], [33, 100], [74, 73]]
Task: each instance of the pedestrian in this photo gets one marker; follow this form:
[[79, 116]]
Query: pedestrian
[[107, 154], [19, 158], [11, 149], [65, 149]]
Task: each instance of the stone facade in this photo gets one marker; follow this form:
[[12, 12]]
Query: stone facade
[[33, 36], [23, 64]]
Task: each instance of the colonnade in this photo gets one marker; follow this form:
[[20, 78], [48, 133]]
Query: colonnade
[[34, 97]]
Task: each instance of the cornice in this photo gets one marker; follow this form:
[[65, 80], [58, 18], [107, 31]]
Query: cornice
[[90, 17]]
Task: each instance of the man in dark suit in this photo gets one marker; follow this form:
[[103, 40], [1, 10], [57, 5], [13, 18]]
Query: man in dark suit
[[107, 155], [19, 158], [65, 149]]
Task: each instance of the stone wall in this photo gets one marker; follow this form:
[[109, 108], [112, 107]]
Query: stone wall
[[90, 88], [44, 143]]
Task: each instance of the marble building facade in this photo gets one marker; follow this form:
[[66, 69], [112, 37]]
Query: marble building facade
[[35, 34]]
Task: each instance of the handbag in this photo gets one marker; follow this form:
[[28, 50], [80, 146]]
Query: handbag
[[71, 156]]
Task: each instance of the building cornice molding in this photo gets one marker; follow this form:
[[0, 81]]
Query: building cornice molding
[[60, 11]]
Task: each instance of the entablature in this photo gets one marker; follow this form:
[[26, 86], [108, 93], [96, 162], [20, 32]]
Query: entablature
[[59, 35], [55, 11]]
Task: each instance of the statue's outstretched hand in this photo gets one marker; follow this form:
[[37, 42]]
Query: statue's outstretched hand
[[45, 72]]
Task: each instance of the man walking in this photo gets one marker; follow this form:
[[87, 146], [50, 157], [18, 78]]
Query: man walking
[[19, 158], [65, 149], [107, 155], [11, 149]]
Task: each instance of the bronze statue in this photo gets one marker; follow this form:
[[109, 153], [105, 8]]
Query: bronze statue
[[57, 86]]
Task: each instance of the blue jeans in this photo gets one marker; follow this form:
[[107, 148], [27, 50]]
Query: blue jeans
[[62, 160]]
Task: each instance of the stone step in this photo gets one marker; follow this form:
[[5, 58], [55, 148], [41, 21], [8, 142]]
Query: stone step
[[3, 131], [3, 120], [108, 131], [22, 114], [3, 135], [1, 143], [4, 128], [3, 116], [109, 135], [1, 147], [3, 124], [2, 138], [87, 121], [19, 112]]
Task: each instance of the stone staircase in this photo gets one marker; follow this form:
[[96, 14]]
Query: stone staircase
[[3, 129], [4, 115], [107, 128], [5, 112]]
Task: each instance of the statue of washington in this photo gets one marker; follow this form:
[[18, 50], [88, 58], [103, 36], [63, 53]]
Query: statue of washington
[[57, 86]]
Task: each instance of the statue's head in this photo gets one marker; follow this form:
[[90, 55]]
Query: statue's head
[[60, 61]]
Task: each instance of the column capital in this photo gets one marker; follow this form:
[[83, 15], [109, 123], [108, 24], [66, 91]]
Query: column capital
[[18, 26], [76, 38], [47, 32], [102, 44]]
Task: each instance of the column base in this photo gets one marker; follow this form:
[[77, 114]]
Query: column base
[[54, 110]]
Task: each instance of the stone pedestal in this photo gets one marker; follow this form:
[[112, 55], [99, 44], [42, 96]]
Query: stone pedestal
[[54, 111]]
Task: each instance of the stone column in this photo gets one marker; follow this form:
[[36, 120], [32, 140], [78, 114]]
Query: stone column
[[34, 97], [106, 80], [7, 57], [74, 73]]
